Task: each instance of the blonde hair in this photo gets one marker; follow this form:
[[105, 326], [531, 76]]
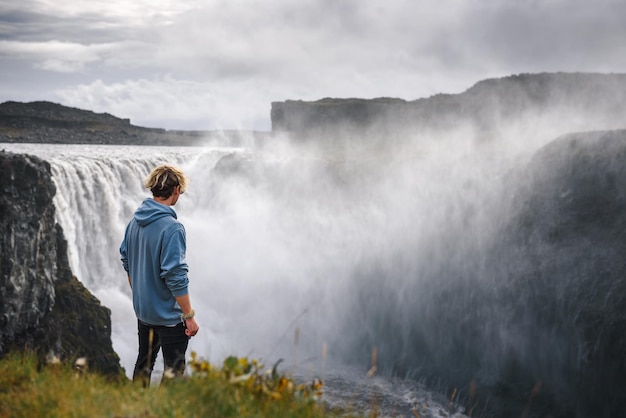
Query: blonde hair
[[163, 179]]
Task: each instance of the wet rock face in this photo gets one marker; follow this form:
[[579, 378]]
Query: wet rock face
[[42, 306], [538, 313], [571, 232], [28, 244]]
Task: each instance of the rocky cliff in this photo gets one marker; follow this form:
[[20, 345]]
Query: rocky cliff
[[578, 99], [42, 306], [534, 320]]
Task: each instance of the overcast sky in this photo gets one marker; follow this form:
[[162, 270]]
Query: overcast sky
[[218, 64]]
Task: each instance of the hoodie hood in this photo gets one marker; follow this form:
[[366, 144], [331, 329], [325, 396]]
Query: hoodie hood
[[150, 210]]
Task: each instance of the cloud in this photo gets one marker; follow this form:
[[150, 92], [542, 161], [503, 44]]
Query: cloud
[[71, 57], [276, 50], [175, 104], [573, 35], [131, 12], [232, 39], [53, 55]]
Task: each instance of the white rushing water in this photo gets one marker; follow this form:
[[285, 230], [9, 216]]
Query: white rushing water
[[274, 239]]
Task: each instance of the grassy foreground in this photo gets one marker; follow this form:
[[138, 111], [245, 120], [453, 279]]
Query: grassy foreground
[[240, 388]]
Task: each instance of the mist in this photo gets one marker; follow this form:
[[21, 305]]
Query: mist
[[424, 244]]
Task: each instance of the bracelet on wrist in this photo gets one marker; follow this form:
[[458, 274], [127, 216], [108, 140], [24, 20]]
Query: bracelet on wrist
[[188, 315]]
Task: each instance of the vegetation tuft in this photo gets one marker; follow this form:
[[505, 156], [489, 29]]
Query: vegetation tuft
[[240, 388]]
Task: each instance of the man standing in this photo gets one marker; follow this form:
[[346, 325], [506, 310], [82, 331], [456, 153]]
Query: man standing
[[153, 255]]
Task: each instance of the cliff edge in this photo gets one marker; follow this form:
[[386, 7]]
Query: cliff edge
[[578, 101], [42, 306], [52, 123]]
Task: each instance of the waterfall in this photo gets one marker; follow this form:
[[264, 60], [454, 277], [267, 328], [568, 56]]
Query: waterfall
[[357, 254], [274, 239], [98, 190]]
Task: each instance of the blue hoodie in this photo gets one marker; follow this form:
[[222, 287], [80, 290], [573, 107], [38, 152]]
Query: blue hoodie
[[153, 254]]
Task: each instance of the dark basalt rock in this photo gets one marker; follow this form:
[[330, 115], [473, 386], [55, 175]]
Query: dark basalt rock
[[488, 107], [46, 122], [42, 306], [571, 283], [534, 321]]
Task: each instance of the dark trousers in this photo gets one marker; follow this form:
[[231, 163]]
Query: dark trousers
[[152, 338]]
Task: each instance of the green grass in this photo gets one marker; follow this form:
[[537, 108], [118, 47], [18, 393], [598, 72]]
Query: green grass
[[240, 388]]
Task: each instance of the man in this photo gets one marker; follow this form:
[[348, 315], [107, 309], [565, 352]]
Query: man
[[153, 255]]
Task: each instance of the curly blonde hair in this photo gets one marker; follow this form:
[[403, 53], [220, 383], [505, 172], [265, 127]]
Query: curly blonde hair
[[163, 179]]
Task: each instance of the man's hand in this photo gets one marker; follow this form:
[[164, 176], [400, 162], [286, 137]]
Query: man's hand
[[192, 327], [190, 323]]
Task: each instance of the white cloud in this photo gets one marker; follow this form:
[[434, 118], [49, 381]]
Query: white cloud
[[130, 11], [53, 55], [73, 57], [61, 66], [273, 38], [176, 104], [231, 58]]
